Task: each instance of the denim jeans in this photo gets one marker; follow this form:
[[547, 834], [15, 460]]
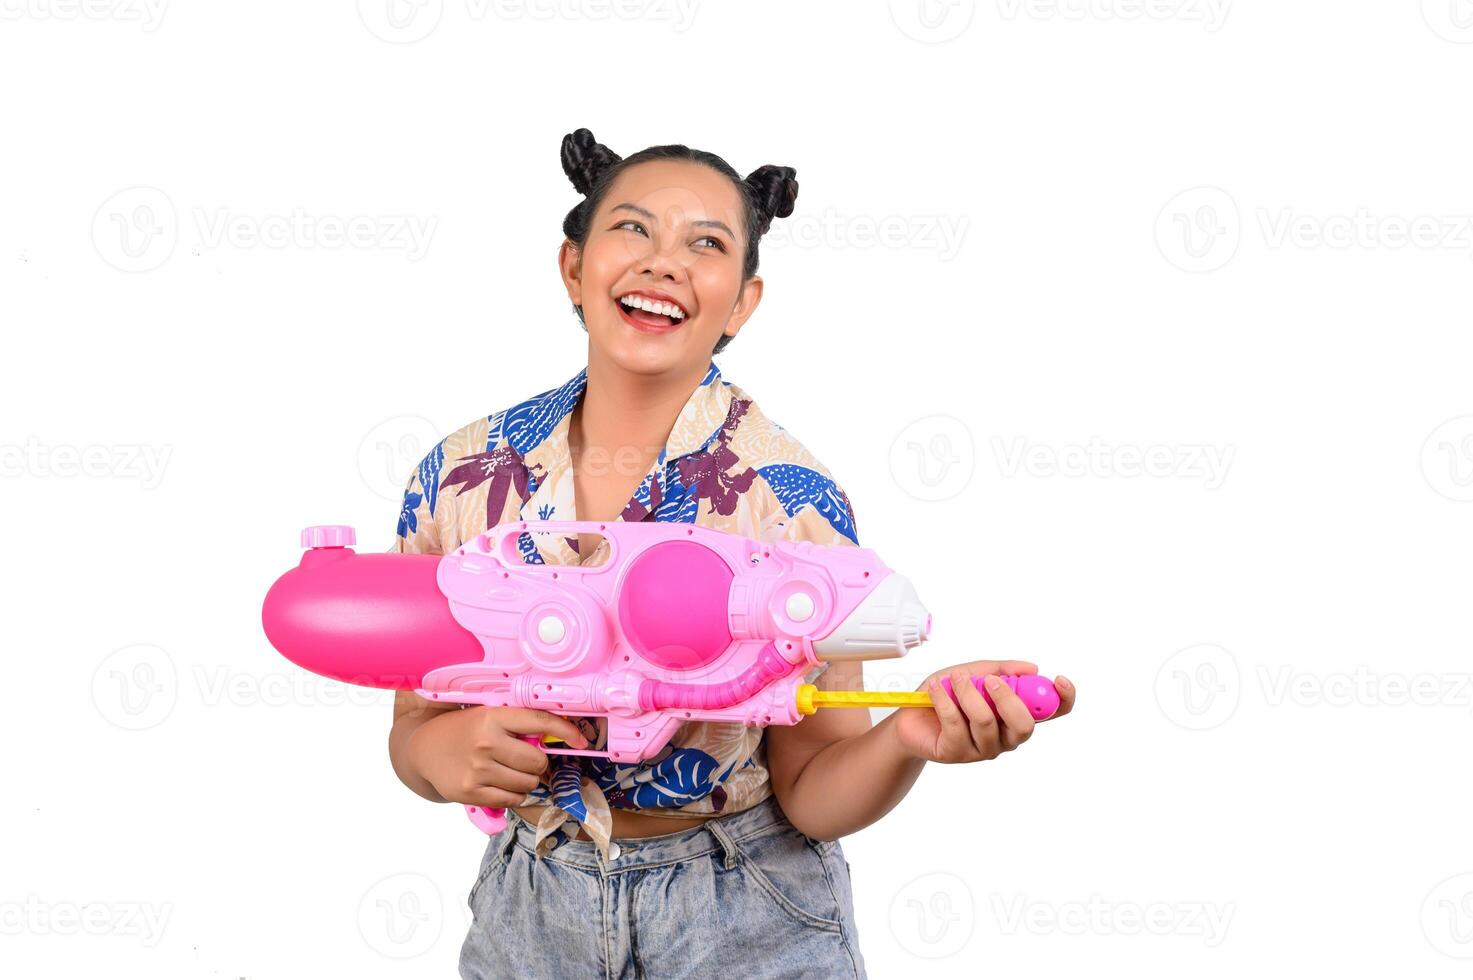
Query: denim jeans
[[745, 894]]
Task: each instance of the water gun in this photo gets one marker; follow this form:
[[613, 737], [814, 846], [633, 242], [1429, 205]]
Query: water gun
[[680, 623]]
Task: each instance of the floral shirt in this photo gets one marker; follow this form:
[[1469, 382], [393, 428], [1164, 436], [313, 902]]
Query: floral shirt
[[725, 465]]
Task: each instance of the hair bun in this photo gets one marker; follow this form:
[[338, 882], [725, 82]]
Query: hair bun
[[774, 190], [585, 158]]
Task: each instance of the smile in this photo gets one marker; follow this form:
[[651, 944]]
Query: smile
[[649, 313]]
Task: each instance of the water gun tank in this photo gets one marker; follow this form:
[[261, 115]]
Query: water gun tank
[[378, 620]]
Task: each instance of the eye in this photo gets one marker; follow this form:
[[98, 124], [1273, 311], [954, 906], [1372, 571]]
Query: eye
[[632, 222], [720, 245]]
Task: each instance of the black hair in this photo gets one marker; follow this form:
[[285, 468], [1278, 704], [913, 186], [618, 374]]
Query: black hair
[[766, 193]]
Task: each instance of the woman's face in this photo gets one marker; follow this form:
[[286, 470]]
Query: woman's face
[[668, 234]]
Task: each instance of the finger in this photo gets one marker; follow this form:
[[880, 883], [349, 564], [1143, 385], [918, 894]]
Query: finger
[[496, 775], [956, 735], [981, 722], [531, 721], [1017, 720], [490, 796], [981, 668], [1066, 690], [512, 752], [1016, 667]]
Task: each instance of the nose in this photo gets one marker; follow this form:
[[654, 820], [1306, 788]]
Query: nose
[[661, 264], [662, 256]]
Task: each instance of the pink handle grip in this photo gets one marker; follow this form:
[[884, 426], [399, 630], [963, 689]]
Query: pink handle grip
[[1035, 691], [492, 819]]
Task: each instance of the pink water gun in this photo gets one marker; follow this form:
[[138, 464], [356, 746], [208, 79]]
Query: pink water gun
[[680, 623]]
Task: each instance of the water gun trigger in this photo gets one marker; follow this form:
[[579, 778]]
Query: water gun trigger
[[554, 745]]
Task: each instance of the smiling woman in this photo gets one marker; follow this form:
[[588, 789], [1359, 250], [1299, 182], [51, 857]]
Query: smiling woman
[[723, 847], [670, 231], [659, 262]]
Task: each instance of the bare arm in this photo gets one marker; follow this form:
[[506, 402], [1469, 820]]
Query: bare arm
[[834, 773], [449, 753], [410, 712]]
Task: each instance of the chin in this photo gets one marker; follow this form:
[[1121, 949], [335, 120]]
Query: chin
[[649, 355], [643, 360]]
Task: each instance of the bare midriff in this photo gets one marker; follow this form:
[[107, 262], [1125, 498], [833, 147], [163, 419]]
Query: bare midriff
[[627, 823]]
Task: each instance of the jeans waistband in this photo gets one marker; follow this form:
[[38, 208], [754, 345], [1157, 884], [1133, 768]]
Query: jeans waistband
[[717, 834]]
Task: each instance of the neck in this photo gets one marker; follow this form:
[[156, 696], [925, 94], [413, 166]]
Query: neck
[[620, 409]]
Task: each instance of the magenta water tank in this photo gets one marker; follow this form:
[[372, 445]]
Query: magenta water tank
[[374, 619]]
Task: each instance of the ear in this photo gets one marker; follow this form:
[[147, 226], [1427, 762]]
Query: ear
[[570, 265], [746, 305]]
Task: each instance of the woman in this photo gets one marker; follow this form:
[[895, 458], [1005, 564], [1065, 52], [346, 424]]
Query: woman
[[723, 848]]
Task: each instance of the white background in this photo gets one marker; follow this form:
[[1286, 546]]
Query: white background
[[1050, 262]]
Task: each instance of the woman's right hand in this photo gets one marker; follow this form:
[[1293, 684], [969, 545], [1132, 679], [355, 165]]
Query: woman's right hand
[[476, 755]]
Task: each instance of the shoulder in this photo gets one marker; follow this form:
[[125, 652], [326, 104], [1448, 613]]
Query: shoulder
[[503, 436], [763, 443], [476, 452], [427, 481], [797, 480]]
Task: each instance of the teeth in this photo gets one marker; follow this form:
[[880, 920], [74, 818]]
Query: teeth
[[649, 305]]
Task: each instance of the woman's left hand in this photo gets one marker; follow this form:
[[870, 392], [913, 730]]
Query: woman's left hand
[[971, 733]]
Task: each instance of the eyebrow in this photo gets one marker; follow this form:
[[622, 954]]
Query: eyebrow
[[649, 216]]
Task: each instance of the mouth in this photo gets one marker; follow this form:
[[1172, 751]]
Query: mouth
[[650, 313]]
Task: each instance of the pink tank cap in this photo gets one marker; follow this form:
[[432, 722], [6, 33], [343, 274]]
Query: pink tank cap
[[328, 536]]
